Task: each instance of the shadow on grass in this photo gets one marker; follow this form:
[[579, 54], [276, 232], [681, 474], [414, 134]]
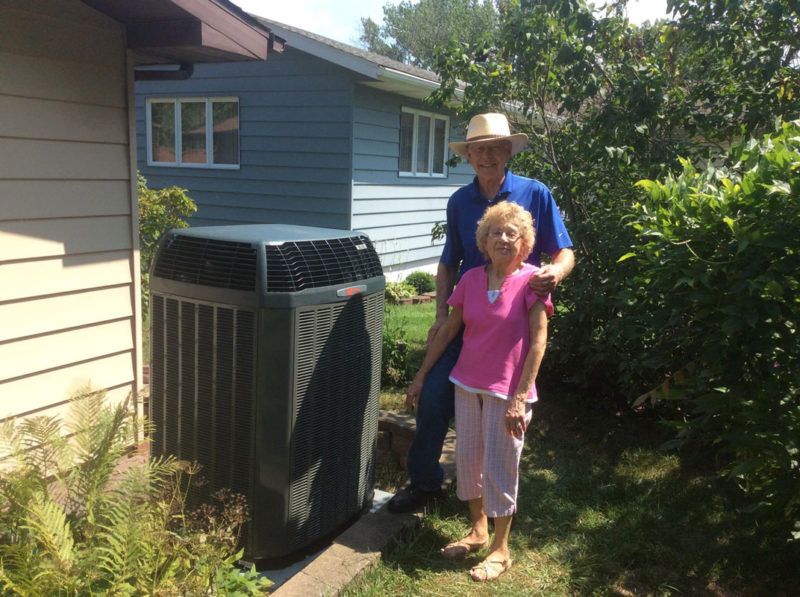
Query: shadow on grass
[[604, 511], [601, 498]]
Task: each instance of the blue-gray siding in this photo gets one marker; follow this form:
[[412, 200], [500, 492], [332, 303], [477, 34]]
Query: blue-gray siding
[[317, 149], [295, 115], [398, 212]]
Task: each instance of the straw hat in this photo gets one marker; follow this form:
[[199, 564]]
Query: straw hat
[[490, 127]]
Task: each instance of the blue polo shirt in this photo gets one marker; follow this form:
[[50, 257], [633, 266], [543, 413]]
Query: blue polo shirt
[[466, 207]]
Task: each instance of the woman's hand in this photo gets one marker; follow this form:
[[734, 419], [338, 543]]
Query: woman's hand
[[434, 329], [515, 416], [413, 392]]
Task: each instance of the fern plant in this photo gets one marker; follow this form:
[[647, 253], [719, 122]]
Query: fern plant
[[70, 524]]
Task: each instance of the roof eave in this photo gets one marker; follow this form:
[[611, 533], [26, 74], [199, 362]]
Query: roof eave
[[328, 53], [189, 30], [408, 85]]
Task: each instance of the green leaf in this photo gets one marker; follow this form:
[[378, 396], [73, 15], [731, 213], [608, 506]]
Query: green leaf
[[778, 187], [625, 257], [729, 221], [646, 185]]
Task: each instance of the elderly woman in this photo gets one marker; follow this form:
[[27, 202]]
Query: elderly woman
[[505, 333]]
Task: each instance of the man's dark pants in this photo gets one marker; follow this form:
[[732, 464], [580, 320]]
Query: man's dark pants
[[435, 409]]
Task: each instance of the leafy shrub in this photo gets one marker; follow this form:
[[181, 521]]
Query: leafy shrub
[[394, 363], [719, 257], [160, 210], [422, 281], [70, 525], [438, 231], [395, 291]]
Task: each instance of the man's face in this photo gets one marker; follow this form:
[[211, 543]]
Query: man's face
[[489, 158]]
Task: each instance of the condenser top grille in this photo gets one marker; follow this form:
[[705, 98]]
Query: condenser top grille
[[298, 265], [273, 261], [208, 262]]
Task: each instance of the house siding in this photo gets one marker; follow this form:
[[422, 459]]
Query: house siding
[[68, 292], [295, 115], [398, 212]]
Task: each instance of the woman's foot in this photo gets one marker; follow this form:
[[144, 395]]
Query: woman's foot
[[490, 569], [458, 550]]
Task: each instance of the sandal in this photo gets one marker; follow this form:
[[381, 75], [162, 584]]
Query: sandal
[[489, 570], [458, 550]]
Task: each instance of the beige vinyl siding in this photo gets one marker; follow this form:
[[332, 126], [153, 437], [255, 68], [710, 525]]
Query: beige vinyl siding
[[28, 239], [46, 315], [33, 355], [67, 252], [19, 198], [46, 407], [48, 119], [29, 279]]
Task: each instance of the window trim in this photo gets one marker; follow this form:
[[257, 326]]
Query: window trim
[[431, 140], [178, 140]]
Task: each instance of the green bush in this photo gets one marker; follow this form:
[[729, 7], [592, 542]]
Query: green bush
[[70, 525], [395, 291], [160, 210], [422, 281], [718, 274], [394, 363]]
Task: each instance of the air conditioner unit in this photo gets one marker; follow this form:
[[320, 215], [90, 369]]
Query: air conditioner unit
[[265, 369]]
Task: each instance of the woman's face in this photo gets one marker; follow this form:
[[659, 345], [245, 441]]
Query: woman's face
[[504, 244]]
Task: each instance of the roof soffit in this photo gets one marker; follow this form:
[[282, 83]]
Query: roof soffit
[[188, 30]]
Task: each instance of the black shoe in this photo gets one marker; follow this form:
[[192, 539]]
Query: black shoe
[[410, 498]]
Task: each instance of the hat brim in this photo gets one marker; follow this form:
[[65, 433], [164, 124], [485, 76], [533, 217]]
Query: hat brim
[[519, 141]]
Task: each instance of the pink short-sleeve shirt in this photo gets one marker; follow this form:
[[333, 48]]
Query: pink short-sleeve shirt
[[496, 335]]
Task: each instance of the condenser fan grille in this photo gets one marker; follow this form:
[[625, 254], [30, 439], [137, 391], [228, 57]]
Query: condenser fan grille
[[293, 266], [336, 405], [208, 262]]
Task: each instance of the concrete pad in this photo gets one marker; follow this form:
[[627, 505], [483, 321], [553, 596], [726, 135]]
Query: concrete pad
[[352, 552]]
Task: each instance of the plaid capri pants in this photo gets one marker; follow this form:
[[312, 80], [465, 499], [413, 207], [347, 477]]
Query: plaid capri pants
[[487, 456]]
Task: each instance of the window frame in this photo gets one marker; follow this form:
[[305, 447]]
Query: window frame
[[176, 101], [431, 144]]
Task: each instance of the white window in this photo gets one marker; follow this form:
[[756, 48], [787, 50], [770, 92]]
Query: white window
[[423, 142], [178, 132]]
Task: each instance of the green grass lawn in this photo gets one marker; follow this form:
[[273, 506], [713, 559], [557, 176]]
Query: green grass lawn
[[417, 319], [602, 511], [414, 321]]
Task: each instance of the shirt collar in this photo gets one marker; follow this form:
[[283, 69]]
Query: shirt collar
[[505, 189]]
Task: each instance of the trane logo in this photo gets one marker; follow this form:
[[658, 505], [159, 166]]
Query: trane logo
[[351, 290]]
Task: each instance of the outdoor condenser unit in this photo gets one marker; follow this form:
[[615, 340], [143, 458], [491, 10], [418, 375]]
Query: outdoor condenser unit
[[265, 369]]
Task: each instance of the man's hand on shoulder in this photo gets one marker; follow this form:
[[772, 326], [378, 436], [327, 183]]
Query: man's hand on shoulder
[[546, 279], [552, 274]]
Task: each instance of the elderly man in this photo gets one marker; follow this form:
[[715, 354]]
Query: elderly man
[[488, 147]]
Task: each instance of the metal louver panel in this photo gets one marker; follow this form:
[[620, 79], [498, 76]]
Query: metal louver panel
[[207, 262], [293, 266], [202, 391], [336, 401]]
